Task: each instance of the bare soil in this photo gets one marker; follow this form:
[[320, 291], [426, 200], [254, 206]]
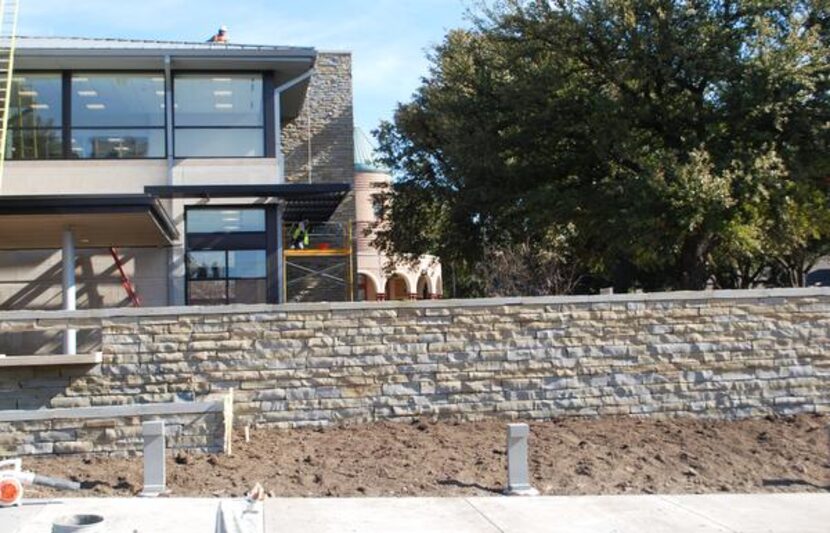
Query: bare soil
[[568, 456]]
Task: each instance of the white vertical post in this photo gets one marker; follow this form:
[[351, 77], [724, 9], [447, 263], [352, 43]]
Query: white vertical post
[[518, 478], [154, 467], [278, 137], [70, 346], [281, 293]]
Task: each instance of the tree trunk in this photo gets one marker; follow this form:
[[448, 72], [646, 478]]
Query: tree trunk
[[694, 272]]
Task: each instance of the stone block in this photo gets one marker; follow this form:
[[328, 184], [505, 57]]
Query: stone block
[[72, 447]]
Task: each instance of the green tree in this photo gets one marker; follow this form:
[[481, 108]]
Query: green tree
[[679, 142]]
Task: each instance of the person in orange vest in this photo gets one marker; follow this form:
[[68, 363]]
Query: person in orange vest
[[221, 36]]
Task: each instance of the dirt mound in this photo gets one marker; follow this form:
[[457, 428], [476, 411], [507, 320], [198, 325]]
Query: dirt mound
[[568, 456]]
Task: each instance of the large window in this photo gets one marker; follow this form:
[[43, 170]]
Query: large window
[[226, 256], [218, 115], [104, 115], [117, 115], [35, 117]]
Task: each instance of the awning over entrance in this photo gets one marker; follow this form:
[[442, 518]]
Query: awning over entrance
[[97, 221], [313, 201]]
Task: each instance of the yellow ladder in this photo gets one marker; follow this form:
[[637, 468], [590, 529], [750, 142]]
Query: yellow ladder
[[8, 40]]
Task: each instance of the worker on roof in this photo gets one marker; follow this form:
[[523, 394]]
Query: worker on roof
[[221, 36], [300, 237]]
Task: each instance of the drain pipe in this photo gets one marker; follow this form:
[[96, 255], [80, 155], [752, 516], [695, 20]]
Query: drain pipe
[[278, 121]]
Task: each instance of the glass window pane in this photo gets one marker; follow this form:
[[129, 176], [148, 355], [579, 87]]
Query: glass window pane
[[218, 100], [219, 142], [100, 100], [34, 144], [247, 291], [206, 265], [246, 264], [114, 144], [206, 292], [35, 101], [228, 220]]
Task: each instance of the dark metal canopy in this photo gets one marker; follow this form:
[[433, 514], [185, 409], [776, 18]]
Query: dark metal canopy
[[313, 201], [97, 221]]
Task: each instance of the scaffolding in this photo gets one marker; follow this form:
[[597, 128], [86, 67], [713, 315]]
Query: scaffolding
[[323, 269]]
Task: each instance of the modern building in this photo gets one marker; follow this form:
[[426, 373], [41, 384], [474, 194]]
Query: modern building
[[173, 173], [380, 277]]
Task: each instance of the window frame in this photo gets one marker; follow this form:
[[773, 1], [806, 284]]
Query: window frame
[[61, 74], [267, 111], [226, 242], [69, 99], [268, 127]]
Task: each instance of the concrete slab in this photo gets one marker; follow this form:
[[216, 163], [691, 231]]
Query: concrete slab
[[592, 514], [374, 515], [756, 513], [124, 515], [713, 513]]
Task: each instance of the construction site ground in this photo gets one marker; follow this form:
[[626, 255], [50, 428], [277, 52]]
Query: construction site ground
[[568, 456]]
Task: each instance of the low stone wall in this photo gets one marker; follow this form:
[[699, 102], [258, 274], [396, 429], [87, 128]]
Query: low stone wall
[[116, 437], [721, 354]]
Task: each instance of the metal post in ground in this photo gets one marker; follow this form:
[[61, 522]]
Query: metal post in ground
[[518, 478], [154, 467]]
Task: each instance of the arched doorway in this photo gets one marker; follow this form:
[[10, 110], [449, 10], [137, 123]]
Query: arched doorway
[[367, 289], [397, 288], [423, 289]]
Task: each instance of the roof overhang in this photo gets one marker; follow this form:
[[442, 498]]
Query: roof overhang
[[97, 221], [285, 63], [313, 201]]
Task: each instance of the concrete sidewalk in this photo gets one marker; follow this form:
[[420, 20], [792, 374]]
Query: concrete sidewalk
[[721, 513], [727, 513]]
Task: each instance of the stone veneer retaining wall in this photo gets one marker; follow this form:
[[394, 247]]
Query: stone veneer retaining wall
[[723, 354]]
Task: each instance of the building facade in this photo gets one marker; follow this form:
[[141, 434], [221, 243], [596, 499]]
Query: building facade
[[166, 173], [178, 156], [379, 276]]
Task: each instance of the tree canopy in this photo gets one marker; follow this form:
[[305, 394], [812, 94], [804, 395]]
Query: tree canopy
[[655, 144]]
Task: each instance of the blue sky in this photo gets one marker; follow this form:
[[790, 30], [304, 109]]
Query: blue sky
[[388, 38]]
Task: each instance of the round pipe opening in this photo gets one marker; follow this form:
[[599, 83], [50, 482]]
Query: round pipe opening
[[77, 522]]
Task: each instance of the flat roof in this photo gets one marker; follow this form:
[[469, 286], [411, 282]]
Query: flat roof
[[313, 201], [86, 54], [28, 42], [98, 221]]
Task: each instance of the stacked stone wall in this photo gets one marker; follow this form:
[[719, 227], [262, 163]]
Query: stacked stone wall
[[727, 354]]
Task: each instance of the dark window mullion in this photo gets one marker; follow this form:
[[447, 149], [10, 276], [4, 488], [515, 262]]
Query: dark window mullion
[[66, 114], [227, 282]]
